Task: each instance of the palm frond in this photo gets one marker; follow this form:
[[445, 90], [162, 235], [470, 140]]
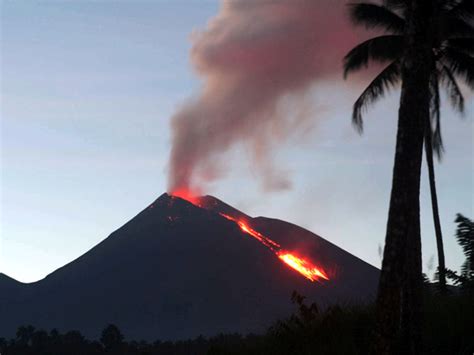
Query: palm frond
[[387, 79], [380, 49], [462, 44], [453, 27], [461, 65], [376, 16], [465, 238], [455, 95], [454, 277], [397, 4], [464, 10]]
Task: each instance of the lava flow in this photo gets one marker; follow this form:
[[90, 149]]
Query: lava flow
[[247, 229], [304, 267]]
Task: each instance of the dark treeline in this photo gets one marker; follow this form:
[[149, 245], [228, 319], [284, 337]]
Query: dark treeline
[[449, 320]]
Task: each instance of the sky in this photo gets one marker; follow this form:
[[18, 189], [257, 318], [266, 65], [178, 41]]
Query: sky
[[87, 92]]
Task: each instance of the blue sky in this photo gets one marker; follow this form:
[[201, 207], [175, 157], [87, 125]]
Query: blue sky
[[87, 90]]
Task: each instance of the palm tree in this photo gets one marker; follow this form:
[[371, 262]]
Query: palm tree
[[390, 48], [465, 238], [427, 44]]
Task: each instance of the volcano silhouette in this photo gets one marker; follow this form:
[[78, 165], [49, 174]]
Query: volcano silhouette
[[177, 270]]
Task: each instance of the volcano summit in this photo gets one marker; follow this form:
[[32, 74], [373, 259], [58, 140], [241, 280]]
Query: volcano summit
[[180, 269]]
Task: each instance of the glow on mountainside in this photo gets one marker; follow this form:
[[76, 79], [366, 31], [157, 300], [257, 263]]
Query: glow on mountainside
[[302, 265]]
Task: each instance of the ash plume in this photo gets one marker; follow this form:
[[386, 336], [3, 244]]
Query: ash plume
[[257, 60]]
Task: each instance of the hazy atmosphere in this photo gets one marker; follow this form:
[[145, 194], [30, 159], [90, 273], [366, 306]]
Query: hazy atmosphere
[[88, 92]]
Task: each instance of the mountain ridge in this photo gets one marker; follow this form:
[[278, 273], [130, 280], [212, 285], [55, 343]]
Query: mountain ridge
[[177, 270]]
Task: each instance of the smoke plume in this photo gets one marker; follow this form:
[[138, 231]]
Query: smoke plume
[[255, 59]]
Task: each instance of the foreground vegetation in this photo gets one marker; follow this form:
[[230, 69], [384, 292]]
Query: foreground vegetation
[[448, 324]]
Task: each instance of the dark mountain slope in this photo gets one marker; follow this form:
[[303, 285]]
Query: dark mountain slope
[[177, 271], [345, 270]]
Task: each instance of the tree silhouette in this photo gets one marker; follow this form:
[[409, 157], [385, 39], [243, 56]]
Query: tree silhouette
[[39, 341], [24, 334], [452, 48], [111, 337], [465, 238], [428, 44]]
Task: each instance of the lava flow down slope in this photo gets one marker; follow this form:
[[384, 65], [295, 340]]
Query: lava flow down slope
[[188, 267]]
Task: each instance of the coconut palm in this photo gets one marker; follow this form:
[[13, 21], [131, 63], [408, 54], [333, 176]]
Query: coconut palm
[[457, 39], [426, 44], [465, 237]]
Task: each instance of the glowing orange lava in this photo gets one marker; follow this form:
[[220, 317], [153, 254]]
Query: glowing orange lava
[[247, 229], [303, 266], [188, 195]]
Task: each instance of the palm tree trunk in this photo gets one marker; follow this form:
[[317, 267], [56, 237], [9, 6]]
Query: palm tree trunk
[[434, 205], [399, 290], [399, 299]]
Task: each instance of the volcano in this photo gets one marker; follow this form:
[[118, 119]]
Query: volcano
[[183, 268]]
